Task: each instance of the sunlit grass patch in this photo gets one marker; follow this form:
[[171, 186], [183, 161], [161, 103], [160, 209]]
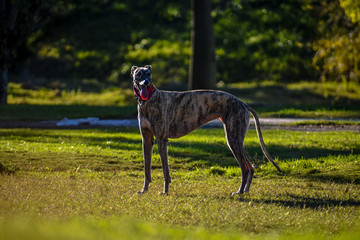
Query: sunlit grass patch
[[311, 112], [271, 99], [204, 148], [323, 123], [130, 228], [277, 205], [349, 90], [84, 183], [306, 99], [45, 96], [308, 90]]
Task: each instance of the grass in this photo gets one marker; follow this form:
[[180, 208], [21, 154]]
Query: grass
[[128, 228], [328, 112], [24, 112], [45, 96], [304, 99], [324, 123], [301, 99], [82, 184], [298, 93]]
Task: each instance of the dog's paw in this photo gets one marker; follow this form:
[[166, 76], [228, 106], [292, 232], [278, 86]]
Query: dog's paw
[[236, 194], [163, 193]]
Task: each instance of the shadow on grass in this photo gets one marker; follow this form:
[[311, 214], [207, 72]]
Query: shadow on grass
[[220, 155], [209, 152], [334, 177], [28, 112], [48, 136], [291, 153], [192, 155], [306, 202]]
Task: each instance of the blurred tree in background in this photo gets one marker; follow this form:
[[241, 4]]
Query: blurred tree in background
[[18, 19], [92, 44], [270, 40], [338, 45], [352, 9]]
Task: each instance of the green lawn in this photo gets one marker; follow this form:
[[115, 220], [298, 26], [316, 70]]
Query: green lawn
[[82, 184], [271, 99]]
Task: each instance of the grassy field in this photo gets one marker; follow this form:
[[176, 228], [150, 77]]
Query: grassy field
[[82, 184], [271, 99]]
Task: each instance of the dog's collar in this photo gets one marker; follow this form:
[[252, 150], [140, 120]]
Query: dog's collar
[[138, 96]]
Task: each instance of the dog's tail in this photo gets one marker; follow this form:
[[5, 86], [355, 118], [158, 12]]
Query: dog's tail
[[262, 144]]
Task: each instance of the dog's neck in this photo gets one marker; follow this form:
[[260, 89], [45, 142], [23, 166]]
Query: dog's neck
[[141, 100]]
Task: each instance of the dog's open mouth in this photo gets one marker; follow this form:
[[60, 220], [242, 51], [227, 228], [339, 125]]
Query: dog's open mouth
[[144, 92]]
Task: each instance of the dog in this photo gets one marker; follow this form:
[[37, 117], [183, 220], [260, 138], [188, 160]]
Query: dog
[[170, 114]]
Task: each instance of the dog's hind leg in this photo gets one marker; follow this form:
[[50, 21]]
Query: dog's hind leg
[[250, 174], [235, 134], [246, 169], [163, 151], [148, 143]]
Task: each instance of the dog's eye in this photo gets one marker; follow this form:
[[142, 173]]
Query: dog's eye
[[148, 74], [138, 73]]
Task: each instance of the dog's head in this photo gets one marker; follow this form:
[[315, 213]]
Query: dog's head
[[142, 80]]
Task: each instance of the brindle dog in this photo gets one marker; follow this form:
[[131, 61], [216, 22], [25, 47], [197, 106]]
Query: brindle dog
[[168, 114]]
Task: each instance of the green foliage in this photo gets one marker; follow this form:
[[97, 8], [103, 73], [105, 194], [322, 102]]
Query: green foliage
[[337, 47], [352, 9], [163, 55], [102, 40], [255, 40], [264, 40], [19, 20]]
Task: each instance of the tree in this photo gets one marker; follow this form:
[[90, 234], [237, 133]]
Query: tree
[[352, 9], [202, 69], [18, 18], [337, 49]]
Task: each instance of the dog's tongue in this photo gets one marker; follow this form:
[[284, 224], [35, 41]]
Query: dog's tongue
[[144, 92]]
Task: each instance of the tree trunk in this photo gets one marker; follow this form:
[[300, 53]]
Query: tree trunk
[[202, 68], [3, 84], [4, 70]]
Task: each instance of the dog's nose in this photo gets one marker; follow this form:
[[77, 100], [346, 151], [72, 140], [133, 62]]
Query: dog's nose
[[145, 82]]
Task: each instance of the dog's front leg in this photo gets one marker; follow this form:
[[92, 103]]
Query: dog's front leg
[[148, 143], [163, 151]]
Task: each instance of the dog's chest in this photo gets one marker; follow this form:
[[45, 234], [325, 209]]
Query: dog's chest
[[151, 115]]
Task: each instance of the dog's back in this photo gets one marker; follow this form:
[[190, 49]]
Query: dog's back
[[186, 111]]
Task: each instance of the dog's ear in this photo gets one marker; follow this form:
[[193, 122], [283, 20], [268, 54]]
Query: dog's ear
[[133, 68], [148, 67]]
